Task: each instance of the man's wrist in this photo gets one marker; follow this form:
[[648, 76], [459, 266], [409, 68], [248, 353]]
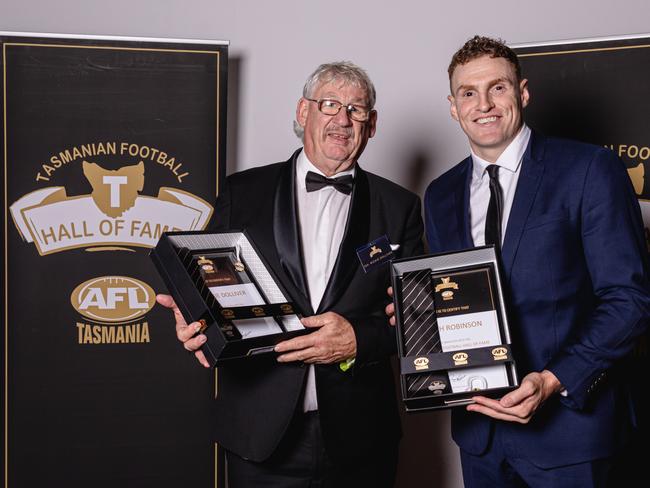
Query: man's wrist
[[552, 384]]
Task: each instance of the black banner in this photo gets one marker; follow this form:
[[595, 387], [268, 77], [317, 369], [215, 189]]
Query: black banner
[[595, 92], [598, 92], [107, 143]]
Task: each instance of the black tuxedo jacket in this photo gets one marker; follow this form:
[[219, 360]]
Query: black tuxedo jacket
[[257, 398]]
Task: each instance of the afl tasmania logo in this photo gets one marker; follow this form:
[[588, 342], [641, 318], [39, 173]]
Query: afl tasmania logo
[[113, 299]]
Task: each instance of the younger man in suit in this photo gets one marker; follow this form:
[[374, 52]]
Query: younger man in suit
[[568, 227], [324, 412]]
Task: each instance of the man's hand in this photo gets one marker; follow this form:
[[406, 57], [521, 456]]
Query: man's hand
[[521, 404], [185, 333], [333, 342], [390, 308]]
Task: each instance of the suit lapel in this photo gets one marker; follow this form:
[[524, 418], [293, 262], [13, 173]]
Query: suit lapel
[[452, 212], [356, 234], [462, 202], [532, 169], [287, 234]]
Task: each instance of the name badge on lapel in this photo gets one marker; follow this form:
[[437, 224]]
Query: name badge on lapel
[[375, 253]]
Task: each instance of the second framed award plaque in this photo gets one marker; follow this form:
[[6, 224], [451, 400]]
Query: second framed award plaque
[[452, 329], [221, 281]]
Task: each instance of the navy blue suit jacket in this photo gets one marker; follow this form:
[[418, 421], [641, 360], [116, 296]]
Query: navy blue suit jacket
[[575, 263]]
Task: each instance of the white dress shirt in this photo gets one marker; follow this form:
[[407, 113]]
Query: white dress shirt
[[479, 194], [322, 215]]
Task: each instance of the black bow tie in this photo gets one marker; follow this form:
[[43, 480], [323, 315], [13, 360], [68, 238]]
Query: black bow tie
[[315, 182]]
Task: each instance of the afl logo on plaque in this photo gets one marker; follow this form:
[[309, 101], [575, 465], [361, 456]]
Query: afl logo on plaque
[[460, 358], [500, 353], [421, 363]]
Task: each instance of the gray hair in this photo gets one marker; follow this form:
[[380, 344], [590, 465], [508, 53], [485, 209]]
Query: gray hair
[[345, 71]]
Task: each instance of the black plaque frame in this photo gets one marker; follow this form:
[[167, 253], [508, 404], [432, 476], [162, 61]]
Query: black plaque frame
[[473, 260], [197, 305]]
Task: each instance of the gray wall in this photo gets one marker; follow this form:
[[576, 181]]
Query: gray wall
[[405, 46]]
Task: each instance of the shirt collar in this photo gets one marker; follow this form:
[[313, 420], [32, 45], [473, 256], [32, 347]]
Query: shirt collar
[[303, 165], [510, 158]]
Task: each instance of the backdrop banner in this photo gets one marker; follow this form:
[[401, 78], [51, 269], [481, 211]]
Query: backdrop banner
[[107, 143], [597, 91]]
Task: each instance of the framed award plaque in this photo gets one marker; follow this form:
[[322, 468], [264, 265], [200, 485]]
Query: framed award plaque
[[221, 281], [452, 329]]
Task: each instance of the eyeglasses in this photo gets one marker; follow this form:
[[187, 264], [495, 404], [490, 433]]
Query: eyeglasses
[[331, 107]]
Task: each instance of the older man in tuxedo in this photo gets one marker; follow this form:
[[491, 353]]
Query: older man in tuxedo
[[322, 412]]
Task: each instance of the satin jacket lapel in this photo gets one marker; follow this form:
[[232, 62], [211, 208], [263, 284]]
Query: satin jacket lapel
[[532, 169], [356, 234], [287, 234]]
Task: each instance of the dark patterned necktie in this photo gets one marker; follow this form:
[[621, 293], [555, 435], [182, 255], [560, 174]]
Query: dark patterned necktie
[[495, 209], [421, 335]]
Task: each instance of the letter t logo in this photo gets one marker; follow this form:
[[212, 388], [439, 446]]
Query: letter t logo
[[115, 182]]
